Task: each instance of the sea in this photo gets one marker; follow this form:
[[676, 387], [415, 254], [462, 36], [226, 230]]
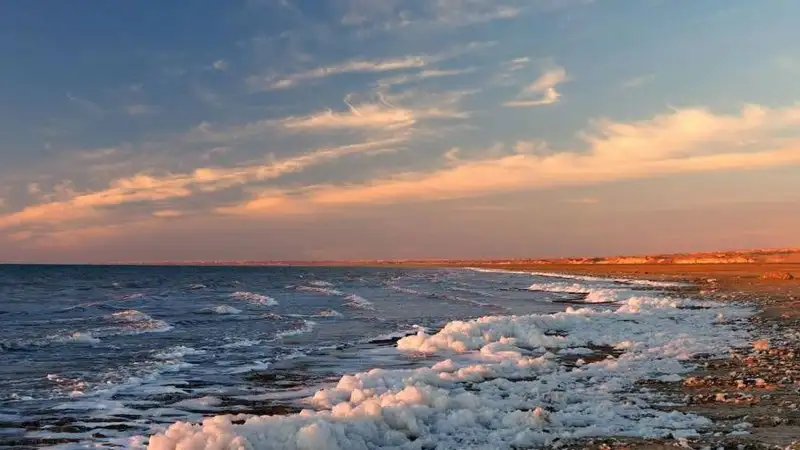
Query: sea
[[341, 357]]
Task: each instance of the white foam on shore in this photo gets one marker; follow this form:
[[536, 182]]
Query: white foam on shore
[[253, 298], [498, 383]]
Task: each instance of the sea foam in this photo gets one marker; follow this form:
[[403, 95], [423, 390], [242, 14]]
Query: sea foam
[[498, 382]]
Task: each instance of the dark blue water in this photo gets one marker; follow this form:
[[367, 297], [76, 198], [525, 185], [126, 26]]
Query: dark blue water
[[97, 354]]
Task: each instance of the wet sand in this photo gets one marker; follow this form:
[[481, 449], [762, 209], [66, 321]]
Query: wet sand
[[753, 396]]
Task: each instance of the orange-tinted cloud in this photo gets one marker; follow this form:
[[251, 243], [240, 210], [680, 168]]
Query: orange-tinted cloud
[[148, 188], [542, 91], [688, 140]]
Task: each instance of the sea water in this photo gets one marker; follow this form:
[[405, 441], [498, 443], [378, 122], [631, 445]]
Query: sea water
[[340, 358]]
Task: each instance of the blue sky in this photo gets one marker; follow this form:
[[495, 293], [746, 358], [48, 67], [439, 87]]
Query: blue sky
[[306, 129]]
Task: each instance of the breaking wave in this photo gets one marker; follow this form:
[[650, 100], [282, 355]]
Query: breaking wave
[[358, 302], [226, 309], [306, 327], [255, 299]]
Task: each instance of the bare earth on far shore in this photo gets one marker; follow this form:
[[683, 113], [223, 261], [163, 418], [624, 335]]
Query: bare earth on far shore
[[753, 396]]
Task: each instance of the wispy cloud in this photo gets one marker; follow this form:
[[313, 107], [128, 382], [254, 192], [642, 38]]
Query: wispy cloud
[[422, 75], [85, 104], [143, 188], [220, 65], [168, 213], [98, 153], [260, 83], [542, 91], [518, 64], [391, 15], [683, 141], [584, 200], [381, 115], [637, 82], [141, 110]]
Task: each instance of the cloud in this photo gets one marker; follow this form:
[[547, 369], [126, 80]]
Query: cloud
[[542, 91], [143, 188], [682, 141], [382, 115], [404, 63], [584, 200], [86, 105], [637, 82], [167, 213], [260, 83], [395, 15], [98, 153], [422, 75], [518, 64], [141, 110], [220, 65]]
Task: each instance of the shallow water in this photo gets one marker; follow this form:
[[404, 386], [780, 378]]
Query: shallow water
[[114, 351], [109, 356]]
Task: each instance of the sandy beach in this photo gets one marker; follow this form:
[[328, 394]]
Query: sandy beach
[[753, 396]]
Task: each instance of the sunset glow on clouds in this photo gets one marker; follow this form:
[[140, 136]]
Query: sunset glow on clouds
[[290, 129]]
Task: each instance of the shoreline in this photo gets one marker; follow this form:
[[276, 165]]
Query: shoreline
[[753, 397]]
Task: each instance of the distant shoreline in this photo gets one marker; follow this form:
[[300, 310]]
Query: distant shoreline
[[695, 259]]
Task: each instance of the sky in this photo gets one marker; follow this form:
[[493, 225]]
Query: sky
[[386, 129]]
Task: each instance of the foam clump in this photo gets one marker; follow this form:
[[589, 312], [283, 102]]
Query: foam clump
[[499, 382]]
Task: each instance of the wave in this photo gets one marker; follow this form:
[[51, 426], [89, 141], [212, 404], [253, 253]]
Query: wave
[[135, 322], [253, 298], [523, 394], [177, 352], [358, 302], [393, 337], [405, 290], [351, 300], [77, 337], [320, 283], [629, 281], [321, 290], [470, 290], [72, 387], [307, 327], [123, 323], [456, 298], [241, 343], [225, 309], [328, 313]]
